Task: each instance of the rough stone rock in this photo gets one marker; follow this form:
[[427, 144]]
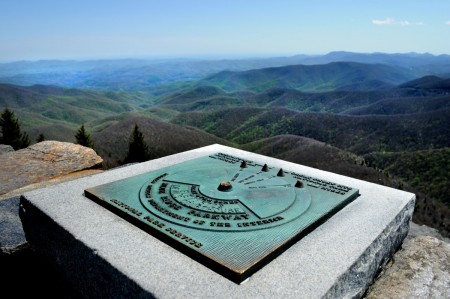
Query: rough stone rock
[[43, 161], [53, 181], [12, 237], [416, 230], [5, 149], [421, 269]]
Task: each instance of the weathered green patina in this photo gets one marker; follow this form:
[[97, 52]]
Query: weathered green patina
[[234, 216]]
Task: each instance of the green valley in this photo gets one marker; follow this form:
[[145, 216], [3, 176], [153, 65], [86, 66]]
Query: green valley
[[384, 118]]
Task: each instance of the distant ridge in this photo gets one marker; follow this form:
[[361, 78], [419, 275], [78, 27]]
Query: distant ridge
[[43, 106], [407, 60], [406, 105], [428, 82], [326, 77], [384, 100], [162, 138], [313, 153], [145, 74], [358, 134]]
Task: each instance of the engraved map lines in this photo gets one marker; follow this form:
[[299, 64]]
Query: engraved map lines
[[193, 207], [210, 203]]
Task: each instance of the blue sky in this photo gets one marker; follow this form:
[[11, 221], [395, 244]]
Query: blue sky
[[81, 29]]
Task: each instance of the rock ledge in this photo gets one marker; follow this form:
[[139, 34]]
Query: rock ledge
[[43, 161], [421, 269]]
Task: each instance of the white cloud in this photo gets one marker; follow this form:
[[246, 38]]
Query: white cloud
[[404, 23], [387, 21], [391, 21], [447, 23]]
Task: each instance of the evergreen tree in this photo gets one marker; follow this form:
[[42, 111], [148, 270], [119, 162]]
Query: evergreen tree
[[83, 138], [25, 140], [11, 132], [40, 138], [137, 149]]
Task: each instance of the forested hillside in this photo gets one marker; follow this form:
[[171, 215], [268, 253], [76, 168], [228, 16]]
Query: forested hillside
[[379, 117]]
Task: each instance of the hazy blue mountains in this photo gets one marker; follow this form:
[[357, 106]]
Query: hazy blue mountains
[[332, 76], [145, 74], [379, 117]]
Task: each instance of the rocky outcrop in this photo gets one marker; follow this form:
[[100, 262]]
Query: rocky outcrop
[[38, 166], [421, 269], [416, 230], [44, 161], [12, 237], [4, 149]]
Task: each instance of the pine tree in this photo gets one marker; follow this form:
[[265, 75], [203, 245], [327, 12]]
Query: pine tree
[[40, 138], [137, 149], [11, 132], [83, 138], [25, 140]]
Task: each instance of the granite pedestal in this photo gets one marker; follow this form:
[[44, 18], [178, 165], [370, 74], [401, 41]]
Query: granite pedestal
[[104, 255]]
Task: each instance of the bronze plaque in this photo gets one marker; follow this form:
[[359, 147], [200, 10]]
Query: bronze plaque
[[231, 215]]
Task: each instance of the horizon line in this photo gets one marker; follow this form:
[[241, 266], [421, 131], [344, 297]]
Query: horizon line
[[243, 56]]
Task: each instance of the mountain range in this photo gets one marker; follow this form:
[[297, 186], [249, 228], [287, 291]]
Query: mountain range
[[380, 117], [147, 74], [326, 77]]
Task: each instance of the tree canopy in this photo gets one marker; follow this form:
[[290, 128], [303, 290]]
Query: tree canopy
[[11, 132], [137, 149], [40, 138], [83, 138]]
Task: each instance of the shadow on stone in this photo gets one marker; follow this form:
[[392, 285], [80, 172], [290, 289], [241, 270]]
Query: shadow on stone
[[29, 274]]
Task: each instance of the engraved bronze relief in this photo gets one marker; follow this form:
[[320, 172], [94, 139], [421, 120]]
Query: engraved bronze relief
[[232, 215]]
